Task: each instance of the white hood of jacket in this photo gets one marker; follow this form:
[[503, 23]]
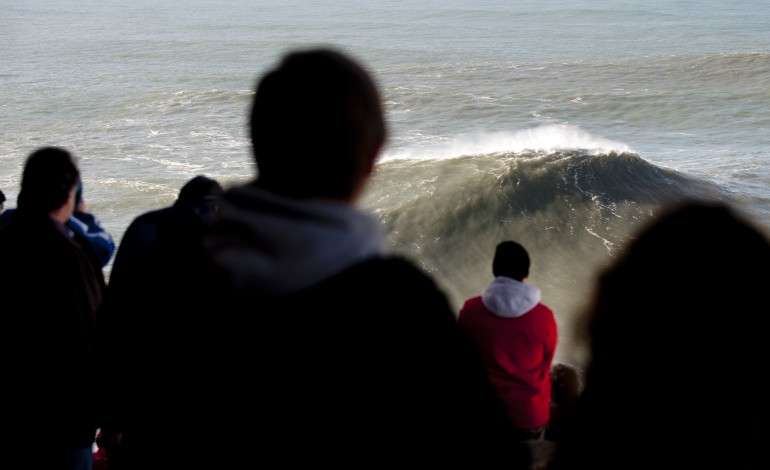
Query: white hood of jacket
[[278, 245], [509, 298]]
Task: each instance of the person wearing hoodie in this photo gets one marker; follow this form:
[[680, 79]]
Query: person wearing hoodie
[[336, 351], [517, 336]]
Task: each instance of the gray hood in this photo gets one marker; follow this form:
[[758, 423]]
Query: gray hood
[[279, 245], [509, 298]]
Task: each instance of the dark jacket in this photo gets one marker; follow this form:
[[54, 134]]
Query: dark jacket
[[101, 241], [155, 330], [290, 338], [87, 225], [364, 369], [52, 289], [367, 368]]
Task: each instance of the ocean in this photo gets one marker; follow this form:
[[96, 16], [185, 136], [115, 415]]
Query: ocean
[[562, 124]]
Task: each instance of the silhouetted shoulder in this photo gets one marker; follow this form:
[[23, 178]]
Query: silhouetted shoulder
[[387, 273], [391, 290], [388, 361]]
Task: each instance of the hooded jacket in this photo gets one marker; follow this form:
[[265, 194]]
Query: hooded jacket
[[321, 326], [276, 245], [517, 337]]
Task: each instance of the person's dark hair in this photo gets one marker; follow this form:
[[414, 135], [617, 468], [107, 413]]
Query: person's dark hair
[[511, 260], [675, 330], [49, 175], [701, 258], [317, 124], [2, 197], [198, 189], [201, 195]]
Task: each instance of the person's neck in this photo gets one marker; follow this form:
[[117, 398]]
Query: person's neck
[[61, 214]]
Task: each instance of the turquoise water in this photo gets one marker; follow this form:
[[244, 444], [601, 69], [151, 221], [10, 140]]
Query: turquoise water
[[560, 123]]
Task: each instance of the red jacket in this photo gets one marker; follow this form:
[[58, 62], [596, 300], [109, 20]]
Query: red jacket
[[517, 337]]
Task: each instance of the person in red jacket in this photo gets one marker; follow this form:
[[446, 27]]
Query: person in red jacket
[[516, 335]]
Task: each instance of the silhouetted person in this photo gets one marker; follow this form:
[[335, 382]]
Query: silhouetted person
[[334, 352], [52, 288], [2, 202], [167, 228], [517, 337], [678, 350], [85, 224], [150, 325]]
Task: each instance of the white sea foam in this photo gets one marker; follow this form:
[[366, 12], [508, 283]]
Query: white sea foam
[[547, 139]]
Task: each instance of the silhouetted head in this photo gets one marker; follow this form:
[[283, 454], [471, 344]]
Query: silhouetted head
[[2, 201], [317, 126], [197, 189], [511, 260], [676, 331], [201, 194], [50, 173], [689, 281]]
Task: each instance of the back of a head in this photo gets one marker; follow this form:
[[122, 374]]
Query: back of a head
[[200, 196], [199, 188], [676, 333], [511, 260], [693, 264], [317, 124], [49, 175]]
